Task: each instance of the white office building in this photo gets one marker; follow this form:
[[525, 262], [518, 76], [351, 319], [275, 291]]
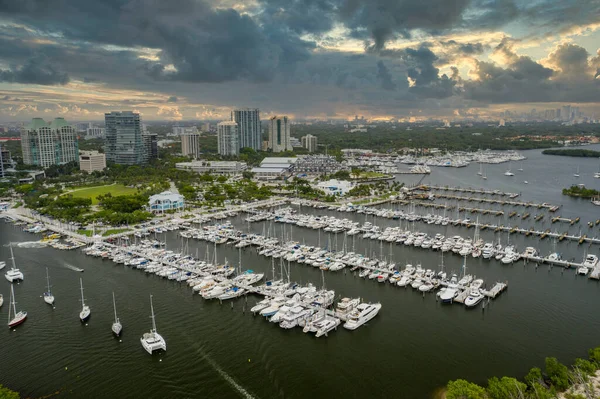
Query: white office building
[[249, 130], [213, 167], [46, 144], [228, 138], [94, 132], [190, 144], [309, 142], [90, 161], [279, 134]]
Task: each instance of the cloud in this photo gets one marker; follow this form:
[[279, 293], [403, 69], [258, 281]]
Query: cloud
[[34, 71], [385, 77], [571, 61], [172, 99], [171, 113]]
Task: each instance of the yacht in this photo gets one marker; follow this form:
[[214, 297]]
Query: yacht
[[85, 309], [153, 341], [1, 300], [328, 324], [475, 296], [273, 307], [2, 265], [345, 307], [116, 326], [362, 314], [13, 274], [508, 173], [488, 250], [590, 261], [292, 317], [448, 294], [18, 317], [261, 305], [48, 297]]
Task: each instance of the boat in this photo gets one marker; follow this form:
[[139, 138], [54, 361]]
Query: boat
[[577, 173], [508, 172], [116, 326], [328, 324], [525, 182], [362, 314], [48, 297], [2, 265], [1, 300], [480, 173], [18, 317], [153, 341], [448, 294], [590, 261], [85, 309], [475, 296], [13, 274], [594, 201]]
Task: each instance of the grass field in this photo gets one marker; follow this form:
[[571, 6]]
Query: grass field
[[94, 192]]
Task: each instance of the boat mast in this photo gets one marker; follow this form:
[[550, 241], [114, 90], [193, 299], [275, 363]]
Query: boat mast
[[12, 257], [115, 308], [48, 278], [12, 299], [82, 302], [153, 320]]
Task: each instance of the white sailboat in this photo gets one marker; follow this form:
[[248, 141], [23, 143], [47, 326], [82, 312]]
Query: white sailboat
[[480, 173], [508, 172], [576, 174], [521, 168], [13, 274], [116, 326], [1, 300], [85, 310], [48, 297], [484, 177], [18, 317], [153, 341]]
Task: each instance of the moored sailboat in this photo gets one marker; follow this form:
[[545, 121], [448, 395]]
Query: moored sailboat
[[116, 326], [153, 341], [18, 317], [48, 296], [85, 309]]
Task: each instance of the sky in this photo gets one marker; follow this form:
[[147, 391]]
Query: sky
[[198, 59]]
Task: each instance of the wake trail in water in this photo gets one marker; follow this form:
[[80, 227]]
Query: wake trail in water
[[71, 267], [226, 376], [29, 244]]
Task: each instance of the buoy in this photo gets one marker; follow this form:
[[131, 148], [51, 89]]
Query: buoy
[[66, 368], [248, 360]]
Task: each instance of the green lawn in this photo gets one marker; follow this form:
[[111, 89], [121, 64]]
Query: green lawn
[[85, 232], [94, 192], [114, 231]]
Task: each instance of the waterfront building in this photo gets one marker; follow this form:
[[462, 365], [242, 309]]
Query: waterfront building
[[317, 164], [249, 129], [228, 138], [274, 168], [166, 201], [335, 187], [309, 142], [190, 144], [90, 161], [279, 134], [46, 144], [213, 167], [124, 142]]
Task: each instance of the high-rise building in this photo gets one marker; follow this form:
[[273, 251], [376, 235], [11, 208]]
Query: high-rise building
[[46, 144], [124, 142], [249, 130], [179, 130], [94, 132], [1, 162], [190, 145], [83, 126], [228, 138], [150, 146], [309, 142], [565, 113], [279, 134]]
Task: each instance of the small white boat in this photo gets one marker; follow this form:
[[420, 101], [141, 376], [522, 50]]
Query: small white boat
[[1, 300], [18, 317], [475, 296], [153, 341], [2, 265], [116, 326], [85, 309], [448, 294], [525, 182], [48, 297], [329, 324]]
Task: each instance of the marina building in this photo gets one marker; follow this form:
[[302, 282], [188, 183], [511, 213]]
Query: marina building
[[46, 144], [317, 164], [166, 201], [309, 142], [90, 161], [272, 168], [249, 129], [124, 142], [214, 167], [335, 187], [279, 134], [228, 138], [190, 144]]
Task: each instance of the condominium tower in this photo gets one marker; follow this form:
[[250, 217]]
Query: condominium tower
[[190, 144], [309, 142], [124, 142], [249, 131], [46, 144], [279, 134], [227, 138]]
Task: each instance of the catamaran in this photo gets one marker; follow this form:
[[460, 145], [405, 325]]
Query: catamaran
[[19, 317], [85, 310], [48, 297], [153, 341], [116, 326], [13, 274]]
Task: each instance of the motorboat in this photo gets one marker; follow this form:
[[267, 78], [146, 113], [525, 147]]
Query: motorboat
[[273, 307], [292, 317], [488, 250], [448, 294], [85, 309], [345, 307], [2, 265], [261, 305], [116, 326], [475, 296], [362, 314], [327, 325], [404, 281], [153, 341], [426, 286], [583, 270], [17, 317], [590, 261]]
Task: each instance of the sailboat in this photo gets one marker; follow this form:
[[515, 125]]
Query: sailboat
[[18, 317], [596, 175], [48, 297], [85, 310], [153, 341], [480, 173], [484, 177], [521, 168], [117, 326], [13, 274], [576, 174], [508, 172]]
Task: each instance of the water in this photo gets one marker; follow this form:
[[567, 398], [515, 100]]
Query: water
[[414, 346]]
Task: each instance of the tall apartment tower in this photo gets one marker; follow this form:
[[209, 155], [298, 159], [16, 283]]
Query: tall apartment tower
[[249, 131], [124, 142], [227, 138], [46, 144], [1, 162], [190, 145], [309, 142], [279, 134]]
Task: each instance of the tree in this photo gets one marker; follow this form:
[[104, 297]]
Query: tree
[[534, 376], [585, 366], [505, 388], [6, 393], [462, 389], [594, 355], [558, 373], [248, 175]]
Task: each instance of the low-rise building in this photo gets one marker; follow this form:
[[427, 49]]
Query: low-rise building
[[335, 187], [272, 168], [166, 201], [90, 161], [215, 167]]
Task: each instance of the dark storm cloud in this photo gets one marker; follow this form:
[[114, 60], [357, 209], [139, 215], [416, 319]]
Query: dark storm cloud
[[460, 49], [34, 71], [172, 99], [385, 77]]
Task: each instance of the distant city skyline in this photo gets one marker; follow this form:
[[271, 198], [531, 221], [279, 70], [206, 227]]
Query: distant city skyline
[[332, 59]]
